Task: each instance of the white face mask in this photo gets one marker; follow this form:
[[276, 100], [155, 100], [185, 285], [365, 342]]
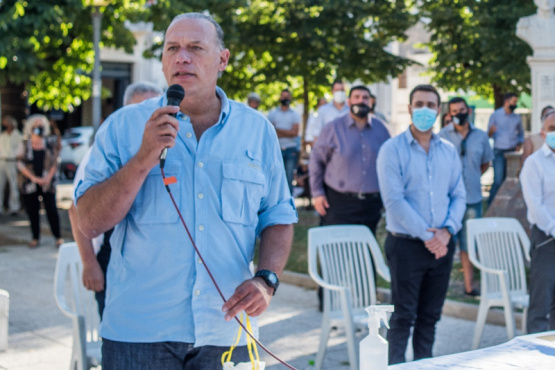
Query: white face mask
[[339, 97]]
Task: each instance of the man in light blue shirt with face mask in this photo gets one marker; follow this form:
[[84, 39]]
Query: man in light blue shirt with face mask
[[422, 188]]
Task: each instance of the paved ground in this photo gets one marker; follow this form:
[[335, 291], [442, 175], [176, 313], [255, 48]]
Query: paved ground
[[40, 335]]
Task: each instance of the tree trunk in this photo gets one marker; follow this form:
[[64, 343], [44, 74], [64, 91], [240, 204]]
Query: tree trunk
[[498, 96], [14, 101], [305, 115]]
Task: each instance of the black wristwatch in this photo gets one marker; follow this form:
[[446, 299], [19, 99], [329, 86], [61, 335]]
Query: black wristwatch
[[269, 277]]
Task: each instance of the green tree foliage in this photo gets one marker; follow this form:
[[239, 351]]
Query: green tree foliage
[[475, 46], [301, 44], [47, 46]]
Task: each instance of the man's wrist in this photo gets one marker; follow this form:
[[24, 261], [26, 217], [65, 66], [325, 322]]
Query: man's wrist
[[270, 279], [271, 291], [450, 230]]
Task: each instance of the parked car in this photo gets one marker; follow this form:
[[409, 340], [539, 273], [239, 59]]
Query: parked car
[[75, 144]]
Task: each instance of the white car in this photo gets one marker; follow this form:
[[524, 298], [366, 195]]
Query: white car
[[75, 143]]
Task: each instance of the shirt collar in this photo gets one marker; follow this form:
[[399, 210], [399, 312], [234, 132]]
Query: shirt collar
[[410, 139], [546, 150], [225, 106], [451, 127], [350, 122]]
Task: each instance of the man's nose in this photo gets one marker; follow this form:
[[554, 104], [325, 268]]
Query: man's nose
[[183, 56]]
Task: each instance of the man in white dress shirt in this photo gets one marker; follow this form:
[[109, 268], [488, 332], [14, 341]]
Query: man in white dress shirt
[[538, 187]]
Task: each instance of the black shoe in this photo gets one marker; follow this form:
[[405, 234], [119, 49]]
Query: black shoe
[[473, 293]]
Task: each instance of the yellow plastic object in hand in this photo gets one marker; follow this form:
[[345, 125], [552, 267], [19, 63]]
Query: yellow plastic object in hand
[[251, 346]]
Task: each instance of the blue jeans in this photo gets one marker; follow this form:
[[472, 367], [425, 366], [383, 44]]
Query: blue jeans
[[472, 211], [290, 160], [165, 356], [499, 171]]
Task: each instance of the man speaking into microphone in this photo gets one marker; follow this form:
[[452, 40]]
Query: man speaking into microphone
[[162, 310]]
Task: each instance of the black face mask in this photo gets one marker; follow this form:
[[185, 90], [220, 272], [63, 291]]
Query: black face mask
[[38, 130], [372, 109], [360, 110], [512, 107], [285, 102], [460, 118]]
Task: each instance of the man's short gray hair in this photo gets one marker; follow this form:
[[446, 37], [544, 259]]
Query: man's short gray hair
[[219, 31], [9, 119], [549, 112], [253, 97], [139, 88]]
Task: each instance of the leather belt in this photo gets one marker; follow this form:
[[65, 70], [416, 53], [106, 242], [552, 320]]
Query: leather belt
[[404, 236], [361, 195]]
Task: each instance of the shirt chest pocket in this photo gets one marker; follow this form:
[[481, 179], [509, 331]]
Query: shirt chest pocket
[[153, 204], [242, 190]]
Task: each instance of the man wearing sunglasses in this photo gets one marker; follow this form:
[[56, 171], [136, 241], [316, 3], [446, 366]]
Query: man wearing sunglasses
[[476, 155]]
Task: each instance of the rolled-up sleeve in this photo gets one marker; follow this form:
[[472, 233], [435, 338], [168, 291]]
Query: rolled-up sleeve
[[277, 206]]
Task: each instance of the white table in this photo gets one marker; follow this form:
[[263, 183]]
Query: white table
[[534, 351]]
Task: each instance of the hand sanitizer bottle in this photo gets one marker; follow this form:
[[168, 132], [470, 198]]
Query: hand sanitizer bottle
[[374, 348]]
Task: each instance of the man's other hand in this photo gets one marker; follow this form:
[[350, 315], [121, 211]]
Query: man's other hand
[[93, 277], [321, 204]]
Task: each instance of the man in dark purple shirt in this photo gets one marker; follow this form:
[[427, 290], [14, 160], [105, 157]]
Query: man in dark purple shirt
[[343, 178]]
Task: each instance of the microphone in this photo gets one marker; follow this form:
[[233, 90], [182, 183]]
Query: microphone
[[175, 94]]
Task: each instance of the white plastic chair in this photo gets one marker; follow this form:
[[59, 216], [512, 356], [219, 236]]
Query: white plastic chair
[[347, 276], [79, 304], [496, 246]]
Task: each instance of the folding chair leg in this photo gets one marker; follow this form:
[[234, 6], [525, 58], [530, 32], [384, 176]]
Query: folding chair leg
[[509, 320], [480, 323], [351, 345], [324, 336], [524, 321]]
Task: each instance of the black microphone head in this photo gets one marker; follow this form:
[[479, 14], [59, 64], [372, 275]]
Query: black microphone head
[[175, 94]]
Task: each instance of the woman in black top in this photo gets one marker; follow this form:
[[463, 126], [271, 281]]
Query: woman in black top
[[38, 164]]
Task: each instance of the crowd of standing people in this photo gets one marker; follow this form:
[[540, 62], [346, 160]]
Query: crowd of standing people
[[429, 185]]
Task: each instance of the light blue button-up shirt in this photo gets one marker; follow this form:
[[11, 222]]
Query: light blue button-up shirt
[[326, 114], [421, 190], [231, 186], [476, 153], [510, 131]]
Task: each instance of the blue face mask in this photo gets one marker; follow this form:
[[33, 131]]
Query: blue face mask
[[550, 139], [423, 118]]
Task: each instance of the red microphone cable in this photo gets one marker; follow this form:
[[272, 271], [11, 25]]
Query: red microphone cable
[[172, 180]]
